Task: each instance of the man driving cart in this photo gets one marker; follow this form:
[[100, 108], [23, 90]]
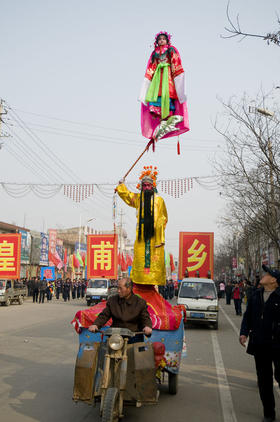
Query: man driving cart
[[127, 310]]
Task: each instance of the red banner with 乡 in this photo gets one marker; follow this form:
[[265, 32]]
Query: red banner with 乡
[[196, 253], [102, 252], [10, 248]]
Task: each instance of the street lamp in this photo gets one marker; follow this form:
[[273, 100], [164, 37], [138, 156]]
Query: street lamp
[[263, 111], [80, 229]]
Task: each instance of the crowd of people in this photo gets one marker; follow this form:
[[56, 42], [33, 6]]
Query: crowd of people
[[238, 291], [43, 289]]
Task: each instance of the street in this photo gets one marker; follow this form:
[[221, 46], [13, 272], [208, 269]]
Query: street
[[38, 348]]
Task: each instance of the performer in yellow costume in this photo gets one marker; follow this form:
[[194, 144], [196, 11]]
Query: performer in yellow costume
[[148, 263]]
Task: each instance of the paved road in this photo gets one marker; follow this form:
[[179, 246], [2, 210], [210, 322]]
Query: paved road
[[38, 348]]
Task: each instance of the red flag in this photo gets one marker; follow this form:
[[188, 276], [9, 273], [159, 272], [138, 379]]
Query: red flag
[[84, 258], [128, 260], [53, 259], [172, 266], [119, 259], [123, 263], [76, 261], [65, 259]]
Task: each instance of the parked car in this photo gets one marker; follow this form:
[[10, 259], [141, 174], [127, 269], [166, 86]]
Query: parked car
[[12, 291], [199, 296], [97, 289]]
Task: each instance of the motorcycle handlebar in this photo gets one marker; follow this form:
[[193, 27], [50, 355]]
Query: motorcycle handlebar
[[134, 334]]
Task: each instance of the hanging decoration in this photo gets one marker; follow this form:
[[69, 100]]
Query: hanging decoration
[[176, 187], [78, 192]]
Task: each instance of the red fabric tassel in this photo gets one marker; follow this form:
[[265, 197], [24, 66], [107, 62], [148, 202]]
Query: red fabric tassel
[[178, 148]]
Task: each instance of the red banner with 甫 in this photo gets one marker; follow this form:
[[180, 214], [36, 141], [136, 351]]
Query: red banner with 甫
[[102, 252], [196, 253], [10, 248]]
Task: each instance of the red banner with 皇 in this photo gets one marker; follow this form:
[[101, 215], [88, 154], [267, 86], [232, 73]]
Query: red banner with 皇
[[196, 254], [10, 247], [102, 250]]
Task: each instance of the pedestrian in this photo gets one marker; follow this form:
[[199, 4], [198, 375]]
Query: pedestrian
[[222, 290], [49, 291], [84, 285], [237, 298], [66, 290], [170, 287], [261, 322], [228, 290], [58, 288], [29, 286], [42, 290], [74, 289], [35, 289], [79, 289]]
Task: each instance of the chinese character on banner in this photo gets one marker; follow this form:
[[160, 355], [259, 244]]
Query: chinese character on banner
[[10, 248], [102, 255], [196, 254]]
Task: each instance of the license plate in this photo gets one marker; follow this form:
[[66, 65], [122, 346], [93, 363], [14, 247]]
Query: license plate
[[95, 297], [197, 315]]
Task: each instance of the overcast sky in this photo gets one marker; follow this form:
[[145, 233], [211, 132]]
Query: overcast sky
[[67, 62]]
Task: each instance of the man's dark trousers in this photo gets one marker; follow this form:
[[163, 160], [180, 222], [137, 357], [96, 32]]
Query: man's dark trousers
[[42, 296], [265, 358], [237, 304], [228, 298]]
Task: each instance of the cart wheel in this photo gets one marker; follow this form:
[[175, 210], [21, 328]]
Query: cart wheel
[[111, 406], [20, 300], [172, 383], [8, 302]]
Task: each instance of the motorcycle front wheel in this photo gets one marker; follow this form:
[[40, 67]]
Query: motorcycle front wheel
[[110, 411]]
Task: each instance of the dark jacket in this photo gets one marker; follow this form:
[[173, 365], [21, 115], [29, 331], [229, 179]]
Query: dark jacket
[[228, 289], [261, 321], [42, 286], [131, 313]]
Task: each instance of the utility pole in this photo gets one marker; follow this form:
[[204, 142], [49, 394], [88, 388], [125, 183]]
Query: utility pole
[[121, 230], [2, 113]]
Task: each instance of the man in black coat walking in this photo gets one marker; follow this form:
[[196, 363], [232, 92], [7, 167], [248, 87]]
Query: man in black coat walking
[[261, 322], [228, 290]]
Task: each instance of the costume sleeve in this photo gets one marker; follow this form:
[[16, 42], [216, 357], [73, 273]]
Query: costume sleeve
[[145, 317], [151, 68], [180, 87], [104, 316], [144, 89], [161, 223], [130, 198], [176, 63]]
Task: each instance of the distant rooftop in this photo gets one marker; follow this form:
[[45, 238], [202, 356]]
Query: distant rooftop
[[11, 227]]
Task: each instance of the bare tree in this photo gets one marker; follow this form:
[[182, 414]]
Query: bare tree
[[249, 170], [235, 30]]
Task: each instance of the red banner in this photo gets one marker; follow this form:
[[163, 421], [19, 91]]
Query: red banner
[[196, 253], [10, 247], [52, 246], [102, 252]]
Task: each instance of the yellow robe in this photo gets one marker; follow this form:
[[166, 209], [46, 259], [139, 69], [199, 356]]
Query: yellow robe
[[156, 273]]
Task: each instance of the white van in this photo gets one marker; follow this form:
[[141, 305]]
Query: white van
[[199, 296], [97, 289]]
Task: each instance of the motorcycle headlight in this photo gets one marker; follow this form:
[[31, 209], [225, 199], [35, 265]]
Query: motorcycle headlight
[[212, 308], [116, 342]]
